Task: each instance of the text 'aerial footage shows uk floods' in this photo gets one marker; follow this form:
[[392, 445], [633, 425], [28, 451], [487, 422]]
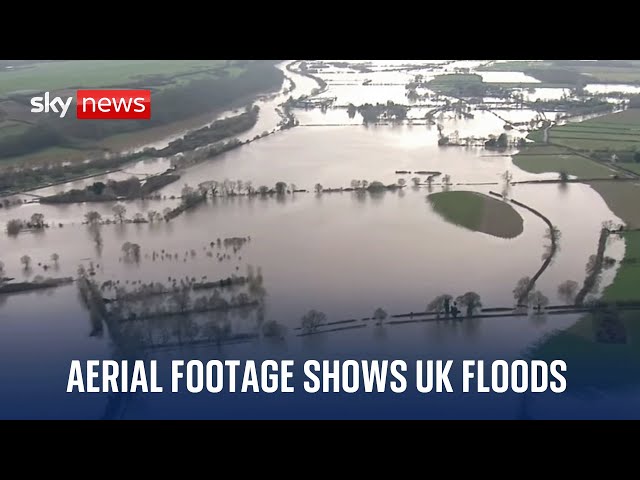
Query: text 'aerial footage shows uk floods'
[[321, 209]]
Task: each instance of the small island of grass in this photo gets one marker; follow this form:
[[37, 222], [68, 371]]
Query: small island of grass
[[478, 212]]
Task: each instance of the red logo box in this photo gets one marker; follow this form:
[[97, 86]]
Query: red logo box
[[113, 104]]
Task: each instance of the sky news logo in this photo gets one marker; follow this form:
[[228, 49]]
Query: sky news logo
[[99, 104]]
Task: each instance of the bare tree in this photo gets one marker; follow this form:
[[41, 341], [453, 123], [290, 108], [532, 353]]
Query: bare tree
[[311, 320], [119, 211]]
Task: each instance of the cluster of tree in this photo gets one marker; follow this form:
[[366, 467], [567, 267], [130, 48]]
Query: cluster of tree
[[190, 197], [131, 251], [194, 157], [380, 111], [230, 188], [10, 202], [499, 143], [218, 130], [170, 104], [112, 190], [36, 222], [444, 304]]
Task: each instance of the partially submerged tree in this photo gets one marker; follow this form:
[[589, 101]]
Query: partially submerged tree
[[311, 320], [92, 217], [379, 315], [281, 188], [568, 290], [471, 301], [119, 211], [538, 300], [521, 288], [26, 261], [14, 226], [563, 176], [37, 220], [439, 304]]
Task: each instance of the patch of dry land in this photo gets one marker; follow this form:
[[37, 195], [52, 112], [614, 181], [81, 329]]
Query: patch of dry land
[[478, 212]]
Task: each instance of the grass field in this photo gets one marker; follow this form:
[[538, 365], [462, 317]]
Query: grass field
[[623, 198], [478, 212], [575, 165], [634, 167], [626, 285], [12, 128], [617, 131], [98, 73], [599, 73], [47, 155]]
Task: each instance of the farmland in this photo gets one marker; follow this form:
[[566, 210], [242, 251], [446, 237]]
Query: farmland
[[51, 76]]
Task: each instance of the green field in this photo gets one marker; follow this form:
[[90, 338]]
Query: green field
[[598, 72], [49, 76], [12, 128], [575, 165], [617, 131], [623, 198], [626, 285], [456, 78], [634, 167], [478, 212]]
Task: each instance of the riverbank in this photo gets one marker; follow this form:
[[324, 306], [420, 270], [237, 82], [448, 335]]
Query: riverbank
[[622, 198]]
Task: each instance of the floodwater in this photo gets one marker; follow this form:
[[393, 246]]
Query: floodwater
[[340, 253], [611, 88]]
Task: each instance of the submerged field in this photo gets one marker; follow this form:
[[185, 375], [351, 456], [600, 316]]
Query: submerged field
[[478, 212]]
